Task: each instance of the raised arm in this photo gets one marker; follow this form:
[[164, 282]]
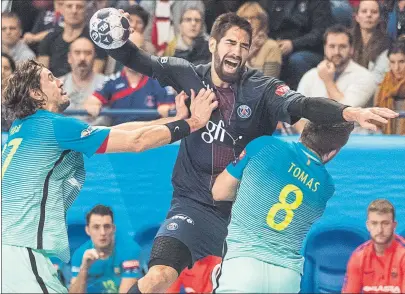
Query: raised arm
[[133, 57]]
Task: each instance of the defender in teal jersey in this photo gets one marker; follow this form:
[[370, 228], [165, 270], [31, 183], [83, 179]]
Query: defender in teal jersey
[[43, 169], [282, 189]]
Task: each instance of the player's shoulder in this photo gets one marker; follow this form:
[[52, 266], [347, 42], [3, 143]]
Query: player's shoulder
[[401, 243], [361, 251], [264, 142]]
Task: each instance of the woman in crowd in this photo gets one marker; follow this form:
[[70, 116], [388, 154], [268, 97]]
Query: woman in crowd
[[264, 53], [391, 93], [191, 43], [370, 39]]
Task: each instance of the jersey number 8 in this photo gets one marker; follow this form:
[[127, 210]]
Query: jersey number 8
[[287, 207]]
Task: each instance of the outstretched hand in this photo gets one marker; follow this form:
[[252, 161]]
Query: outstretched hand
[[367, 117]]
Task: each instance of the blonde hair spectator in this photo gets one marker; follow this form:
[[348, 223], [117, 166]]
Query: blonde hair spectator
[[264, 53]]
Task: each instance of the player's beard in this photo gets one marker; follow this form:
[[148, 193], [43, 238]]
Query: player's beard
[[219, 68], [386, 241], [63, 105]]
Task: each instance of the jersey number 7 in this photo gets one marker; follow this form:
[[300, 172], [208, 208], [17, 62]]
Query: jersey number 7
[[15, 143], [287, 207]]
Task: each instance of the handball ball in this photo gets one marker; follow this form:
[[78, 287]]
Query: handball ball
[[109, 29]]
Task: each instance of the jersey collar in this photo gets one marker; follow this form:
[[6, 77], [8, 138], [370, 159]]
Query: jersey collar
[[311, 154]]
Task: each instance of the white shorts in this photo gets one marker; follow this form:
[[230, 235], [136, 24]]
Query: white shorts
[[250, 275], [26, 270]]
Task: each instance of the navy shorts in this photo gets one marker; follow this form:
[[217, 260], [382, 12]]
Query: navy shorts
[[202, 228]]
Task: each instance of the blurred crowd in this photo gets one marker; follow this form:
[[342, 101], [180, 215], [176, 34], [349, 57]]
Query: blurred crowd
[[352, 51]]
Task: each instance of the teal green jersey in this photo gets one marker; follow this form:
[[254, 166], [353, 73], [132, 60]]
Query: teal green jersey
[[42, 174], [283, 190]]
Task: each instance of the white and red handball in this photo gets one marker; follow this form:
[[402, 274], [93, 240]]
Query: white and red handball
[[109, 29]]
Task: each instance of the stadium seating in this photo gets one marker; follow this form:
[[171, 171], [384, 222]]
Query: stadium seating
[[402, 233], [145, 239], [77, 236], [327, 250]]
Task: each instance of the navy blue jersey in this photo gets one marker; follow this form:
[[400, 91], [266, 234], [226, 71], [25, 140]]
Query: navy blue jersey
[[118, 93], [258, 103]]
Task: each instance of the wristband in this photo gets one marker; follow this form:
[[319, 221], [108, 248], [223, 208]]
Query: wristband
[[178, 130]]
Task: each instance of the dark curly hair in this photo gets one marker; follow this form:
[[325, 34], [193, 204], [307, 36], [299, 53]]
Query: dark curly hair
[[17, 101], [326, 138]]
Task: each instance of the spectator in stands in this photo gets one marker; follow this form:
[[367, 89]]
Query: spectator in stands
[[54, 48], [391, 93], [7, 68], [131, 90], [94, 5], [46, 21], [138, 20], [342, 12], [165, 20], [370, 41], [298, 26], [82, 81], [214, 8], [264, 53], [191, 43], [378, 266], [11, 42], [396, 20], [106, 263], [338, 77]]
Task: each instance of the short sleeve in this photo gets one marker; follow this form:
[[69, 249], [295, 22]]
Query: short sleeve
[[73, 134], [104, 91], [130, 261], [76, 262], [278, 98]]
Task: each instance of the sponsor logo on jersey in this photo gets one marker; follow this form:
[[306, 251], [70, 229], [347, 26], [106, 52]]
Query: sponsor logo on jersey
[[86, 132], [244, 111], [172, 226], [164, 60], [183, 217], [214, 132], [382, 289], [281, 90], [117, 270], [130, 264]]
